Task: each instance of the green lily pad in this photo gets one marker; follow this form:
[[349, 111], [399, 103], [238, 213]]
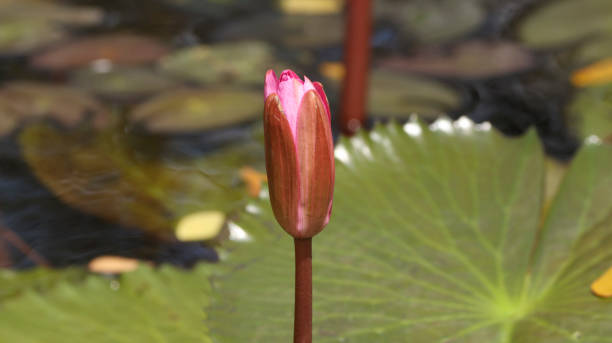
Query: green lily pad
[[104, 174], [145, 305], [192, 110], [472, 59], [567, 21], [20, 36], [110, 49], [214, 8], [399, 96], [296, 31], [435, 236], [16, 283], [432, 21], [590, 112], [595, 50], [233, 62], [122, 83], [22, 102]]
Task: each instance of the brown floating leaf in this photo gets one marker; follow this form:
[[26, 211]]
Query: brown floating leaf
[[26, 101], [113, 265], [117, 48], [474, 59]]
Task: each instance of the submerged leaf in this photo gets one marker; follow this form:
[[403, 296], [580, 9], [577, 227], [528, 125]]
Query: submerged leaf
[[102, 174]]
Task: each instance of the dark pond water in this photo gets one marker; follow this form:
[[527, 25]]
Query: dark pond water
[[120, 120]]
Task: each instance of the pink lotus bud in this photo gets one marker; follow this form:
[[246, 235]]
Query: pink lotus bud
[[299, 153]]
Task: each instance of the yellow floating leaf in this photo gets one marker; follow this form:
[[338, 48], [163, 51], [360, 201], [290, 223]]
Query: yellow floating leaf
[[311, 7], [253, 180], [594, 74], [200, 226], [332, 70], [602, 287], [113, 265]]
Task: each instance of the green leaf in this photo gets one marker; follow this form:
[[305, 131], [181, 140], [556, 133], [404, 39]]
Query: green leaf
[[591, 111], [436, 236], [564, 22], [15, 283], [142, 306], [196, 110]]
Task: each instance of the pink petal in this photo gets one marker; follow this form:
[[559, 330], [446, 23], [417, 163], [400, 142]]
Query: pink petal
[[290, 92], [271, 83], [319, 87]]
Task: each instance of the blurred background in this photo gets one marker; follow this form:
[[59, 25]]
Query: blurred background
[[131, 128]]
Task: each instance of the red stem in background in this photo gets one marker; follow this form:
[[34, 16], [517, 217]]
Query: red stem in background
[[11, 237], [302, 325], [357, 64]]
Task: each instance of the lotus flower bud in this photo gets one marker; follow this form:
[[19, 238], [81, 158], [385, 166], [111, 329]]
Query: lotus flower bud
[[299, 153]]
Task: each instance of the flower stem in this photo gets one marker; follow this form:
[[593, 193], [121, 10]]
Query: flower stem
[[357, 62], [302, 325]]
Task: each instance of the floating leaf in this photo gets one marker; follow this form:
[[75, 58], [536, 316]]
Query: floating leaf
[[42, 10], [472, 59], [146, 305], [192, 110], [298, 31], [15, 283], [122, 83], [22, 102], [233, 62], [311, 7], [113, 265], [435, 236], [396, 95], [200, 226], [253, 180], [432, 21], [116, 48], [590, 111], [214, 8], [568, 21], [594, 74], [22, 35], [103, 174], [603, 285]]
